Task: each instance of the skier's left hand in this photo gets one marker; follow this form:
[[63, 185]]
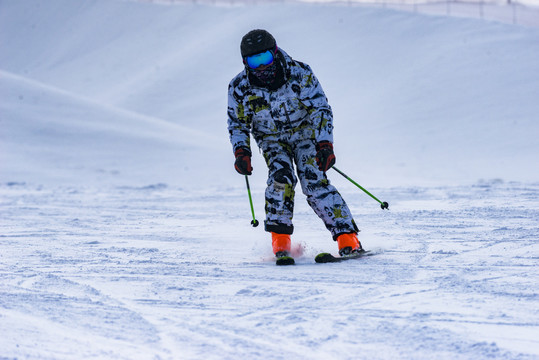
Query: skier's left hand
[[325, 158]]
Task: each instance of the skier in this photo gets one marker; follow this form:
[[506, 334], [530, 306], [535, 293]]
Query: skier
[[281, 103]]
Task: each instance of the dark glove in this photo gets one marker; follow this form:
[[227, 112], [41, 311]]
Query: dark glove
[[243, 161], [325, 158]]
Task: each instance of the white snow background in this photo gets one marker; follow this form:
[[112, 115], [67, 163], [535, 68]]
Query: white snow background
[[125, 230]]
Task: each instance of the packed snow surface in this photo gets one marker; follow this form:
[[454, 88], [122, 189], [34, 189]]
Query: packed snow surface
[[125, 231]]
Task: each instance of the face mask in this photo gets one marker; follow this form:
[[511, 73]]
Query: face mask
[[266, 76]]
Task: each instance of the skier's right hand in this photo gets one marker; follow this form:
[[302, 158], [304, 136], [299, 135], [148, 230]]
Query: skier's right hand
[[243, 161]]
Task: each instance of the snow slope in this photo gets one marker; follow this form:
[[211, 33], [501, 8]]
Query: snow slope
[[427, 99], [124, 229]]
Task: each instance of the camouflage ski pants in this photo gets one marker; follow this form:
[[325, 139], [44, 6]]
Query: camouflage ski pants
[[281, 154]]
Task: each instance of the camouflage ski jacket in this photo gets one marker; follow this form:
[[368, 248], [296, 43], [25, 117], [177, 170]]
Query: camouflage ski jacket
[[299, 105]]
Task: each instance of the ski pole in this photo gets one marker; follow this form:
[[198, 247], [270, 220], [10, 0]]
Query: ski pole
[[384, 204], [255, 221]]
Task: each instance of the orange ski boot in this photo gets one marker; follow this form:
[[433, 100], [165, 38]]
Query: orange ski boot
[[281, 248], [349, 244]]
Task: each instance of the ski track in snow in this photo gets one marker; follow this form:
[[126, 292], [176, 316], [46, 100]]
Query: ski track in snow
[[165, 273]]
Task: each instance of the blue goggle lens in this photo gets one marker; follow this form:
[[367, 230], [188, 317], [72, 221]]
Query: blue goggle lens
[[258, 60]]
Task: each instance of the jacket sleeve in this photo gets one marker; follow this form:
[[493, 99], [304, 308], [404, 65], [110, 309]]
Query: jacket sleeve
[[239, 124], [314, 98]]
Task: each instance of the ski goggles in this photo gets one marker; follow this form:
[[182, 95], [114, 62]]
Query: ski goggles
[[257, 60]]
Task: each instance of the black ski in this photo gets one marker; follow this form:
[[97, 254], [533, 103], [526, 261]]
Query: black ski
[[328, 258], [285, 260]]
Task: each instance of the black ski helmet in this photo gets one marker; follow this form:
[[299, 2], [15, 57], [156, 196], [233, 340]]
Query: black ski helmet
[[255, 42]]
